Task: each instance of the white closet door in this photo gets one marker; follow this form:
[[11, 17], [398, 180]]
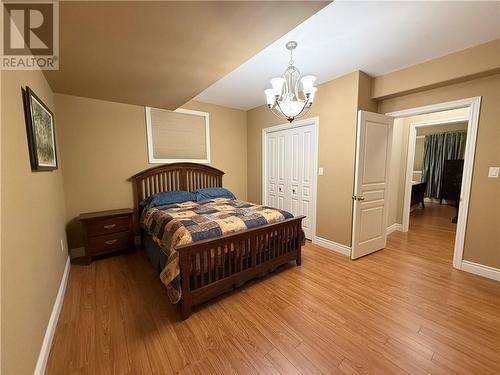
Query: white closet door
[[290, 172], [277, 171], [283, 199], [302, 169], [296, 155], [272, 170], [307, 178]]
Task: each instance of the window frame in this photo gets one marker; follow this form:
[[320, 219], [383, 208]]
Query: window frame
[[149, 133]]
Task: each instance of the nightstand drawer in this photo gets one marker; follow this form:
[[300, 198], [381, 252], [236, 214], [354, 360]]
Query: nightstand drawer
[[109, 242], [98, 227]]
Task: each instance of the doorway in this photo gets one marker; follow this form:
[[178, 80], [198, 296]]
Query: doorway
[[371, 147], [289, 165], [444, 203], [425, 190]]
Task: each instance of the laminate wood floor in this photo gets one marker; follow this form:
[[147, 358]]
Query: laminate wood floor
[[401, 310]]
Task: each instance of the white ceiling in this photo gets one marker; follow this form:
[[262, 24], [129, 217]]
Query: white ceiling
[[375, 37]]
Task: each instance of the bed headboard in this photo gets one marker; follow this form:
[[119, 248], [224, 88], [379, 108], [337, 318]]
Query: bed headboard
[[175, 176]]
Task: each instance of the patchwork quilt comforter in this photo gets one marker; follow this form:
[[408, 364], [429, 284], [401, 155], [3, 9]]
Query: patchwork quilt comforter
[[184, 223]]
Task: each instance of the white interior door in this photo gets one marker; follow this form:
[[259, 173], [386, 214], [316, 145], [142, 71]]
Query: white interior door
[[290, 163], [373, 149]]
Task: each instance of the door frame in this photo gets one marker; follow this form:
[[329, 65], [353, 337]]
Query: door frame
[[311, 121], [474, 105]]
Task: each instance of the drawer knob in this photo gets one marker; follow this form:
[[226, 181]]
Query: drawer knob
[[110, 226], [110, 242]]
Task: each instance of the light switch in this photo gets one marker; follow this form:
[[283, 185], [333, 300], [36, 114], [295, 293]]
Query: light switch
[[320, 171], [493, 172]]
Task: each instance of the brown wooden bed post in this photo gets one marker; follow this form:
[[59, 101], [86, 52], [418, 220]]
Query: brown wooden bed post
[[185, 299], [300, 235]]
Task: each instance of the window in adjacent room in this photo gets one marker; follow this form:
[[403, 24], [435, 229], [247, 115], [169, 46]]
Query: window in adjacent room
[[177, 136]]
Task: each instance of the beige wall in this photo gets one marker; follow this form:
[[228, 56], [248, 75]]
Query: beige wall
[[443, 128], [104, 143], [33, 217], [482, 240], [397, 170], [336, 106], [365, 100], [418, 158], [400, 141], [472, 62], [1, 127]]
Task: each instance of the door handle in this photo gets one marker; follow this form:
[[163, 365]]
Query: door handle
[[356, 198]]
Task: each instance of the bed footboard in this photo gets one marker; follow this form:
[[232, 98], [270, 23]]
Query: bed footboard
[[211, 266]]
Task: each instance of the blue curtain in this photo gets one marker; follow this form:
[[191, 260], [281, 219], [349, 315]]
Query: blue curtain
[[438, 148]]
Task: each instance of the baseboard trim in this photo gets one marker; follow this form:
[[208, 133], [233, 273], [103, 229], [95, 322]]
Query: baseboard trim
[[330, 245], [51, 327], [481, 270], [394, 227]]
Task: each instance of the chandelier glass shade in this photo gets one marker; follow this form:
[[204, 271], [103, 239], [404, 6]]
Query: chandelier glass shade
[[291, 95]]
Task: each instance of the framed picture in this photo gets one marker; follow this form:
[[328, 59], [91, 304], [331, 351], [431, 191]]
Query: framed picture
[[41, 133]]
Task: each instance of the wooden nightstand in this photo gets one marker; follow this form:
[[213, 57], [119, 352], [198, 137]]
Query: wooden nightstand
[[107, 231]]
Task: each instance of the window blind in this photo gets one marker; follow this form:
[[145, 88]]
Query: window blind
[[177, 135]]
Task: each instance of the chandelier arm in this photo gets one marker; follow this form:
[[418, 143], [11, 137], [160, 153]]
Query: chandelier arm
[[297, 83], [302, 114], [274, 112], [283, 113], [306, 102]]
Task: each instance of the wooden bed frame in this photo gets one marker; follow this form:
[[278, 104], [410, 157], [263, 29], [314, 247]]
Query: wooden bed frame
[[250, 253]]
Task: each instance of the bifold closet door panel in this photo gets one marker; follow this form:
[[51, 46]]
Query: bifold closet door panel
[[302, 141], [290, 168], [278, 180], [272, 171], [277, 176]]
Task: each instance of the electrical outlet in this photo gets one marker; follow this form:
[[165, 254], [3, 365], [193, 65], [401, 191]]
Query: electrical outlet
[[493, 172], [62, 246], [320, 171]]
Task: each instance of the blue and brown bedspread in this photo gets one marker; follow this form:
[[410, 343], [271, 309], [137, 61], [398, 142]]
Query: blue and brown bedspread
[[184, 223]]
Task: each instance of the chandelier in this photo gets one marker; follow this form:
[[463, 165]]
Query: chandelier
[[292, 95]]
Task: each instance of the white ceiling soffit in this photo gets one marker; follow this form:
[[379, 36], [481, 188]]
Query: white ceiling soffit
[[375, 37]]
